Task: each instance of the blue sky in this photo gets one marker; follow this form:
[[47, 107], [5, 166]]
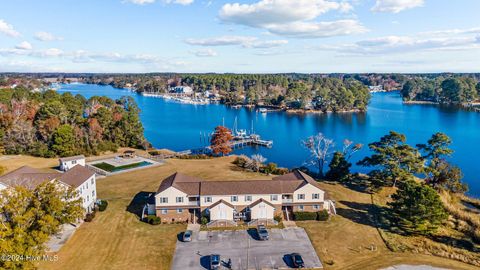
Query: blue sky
[[240, 36]]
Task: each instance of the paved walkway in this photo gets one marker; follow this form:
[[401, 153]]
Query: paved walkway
[[57, 241], [193, 227]]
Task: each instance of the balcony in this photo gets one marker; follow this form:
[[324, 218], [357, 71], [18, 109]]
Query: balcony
[[193, 203], [287, 200]]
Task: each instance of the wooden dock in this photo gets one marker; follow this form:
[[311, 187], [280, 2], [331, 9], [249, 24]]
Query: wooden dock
[[237, 142]]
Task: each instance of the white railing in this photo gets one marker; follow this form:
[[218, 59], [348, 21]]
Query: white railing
[[287, 200]]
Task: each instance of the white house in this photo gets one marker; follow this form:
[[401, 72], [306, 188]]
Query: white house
[[80, 178], [185, 198], [67, 163]]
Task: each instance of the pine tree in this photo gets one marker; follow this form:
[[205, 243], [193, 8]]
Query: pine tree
[[339, 167], [418, 208]]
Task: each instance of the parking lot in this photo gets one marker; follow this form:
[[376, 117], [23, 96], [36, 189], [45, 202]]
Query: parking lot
[[245, 250]]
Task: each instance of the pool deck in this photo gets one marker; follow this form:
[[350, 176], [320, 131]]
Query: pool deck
[[119, 161]]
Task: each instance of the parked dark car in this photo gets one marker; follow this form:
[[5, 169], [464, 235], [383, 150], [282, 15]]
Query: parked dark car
[[297, 260], [214, 262], [187, 236], [262, 232]]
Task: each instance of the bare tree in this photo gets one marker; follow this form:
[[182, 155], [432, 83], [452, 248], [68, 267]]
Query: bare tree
[[257, 161], [349, 148], [319, 147]]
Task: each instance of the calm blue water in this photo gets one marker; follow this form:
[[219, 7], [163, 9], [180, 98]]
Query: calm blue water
[[177, 126]]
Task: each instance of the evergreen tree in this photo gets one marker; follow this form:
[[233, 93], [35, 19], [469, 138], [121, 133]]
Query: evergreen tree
[[396, 159], [339, 167], [417, 208]]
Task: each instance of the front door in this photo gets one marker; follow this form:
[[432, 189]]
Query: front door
[[262, 211], [222, 212]]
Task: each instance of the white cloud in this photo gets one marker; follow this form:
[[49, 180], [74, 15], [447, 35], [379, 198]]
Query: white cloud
[[445, 40], [292, 17], [319, 29], [46, 36], [8, 29], [145, 2], [205, 53], [220, 41], [24, 46], [244, 41], [396, 6]]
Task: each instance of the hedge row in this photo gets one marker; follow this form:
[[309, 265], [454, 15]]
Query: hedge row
[[321, 215]]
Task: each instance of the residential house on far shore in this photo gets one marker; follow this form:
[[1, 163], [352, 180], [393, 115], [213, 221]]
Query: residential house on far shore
[[78, 177], [183, 198]]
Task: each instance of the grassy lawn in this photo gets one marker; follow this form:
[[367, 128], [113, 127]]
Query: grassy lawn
[[116, 239], [346, 240]]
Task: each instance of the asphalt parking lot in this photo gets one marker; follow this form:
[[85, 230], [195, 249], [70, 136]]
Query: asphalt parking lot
[[245, 250]]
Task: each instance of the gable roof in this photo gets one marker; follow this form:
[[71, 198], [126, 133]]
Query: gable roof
[[65, 159], [257, 202], [76, 176], [30, 178], [194, 186], [187, 184], [27, 177], [223, 202]]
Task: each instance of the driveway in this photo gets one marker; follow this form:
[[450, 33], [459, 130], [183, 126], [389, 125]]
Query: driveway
[[244, 250]]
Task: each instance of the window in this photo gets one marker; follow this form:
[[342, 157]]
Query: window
[[248, 198], [87, 185], [179, 210], [93, 193], [179, 199], [92, 181], [207, 199], [234, 199], [163, 200], [315, 196], [274, 197], [301, 196], [74, 162], [300, 208], [88, 198], [164, 211], [316, 206]]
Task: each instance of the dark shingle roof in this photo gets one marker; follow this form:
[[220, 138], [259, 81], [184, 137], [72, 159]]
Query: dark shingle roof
[[76, 176], [30, 177], [193, 186], [27, 177]]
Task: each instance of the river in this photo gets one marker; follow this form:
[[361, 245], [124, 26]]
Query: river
[[178, 127]]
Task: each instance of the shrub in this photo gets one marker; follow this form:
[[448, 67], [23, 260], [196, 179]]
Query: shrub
[[102, 206], [269, 168], [280, 171], [90, 216], [278, 218], [153, 220], [322, 215], [242, 161], [204, 220], [305, 216]]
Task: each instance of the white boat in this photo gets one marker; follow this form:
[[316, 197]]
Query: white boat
[[263, 110]]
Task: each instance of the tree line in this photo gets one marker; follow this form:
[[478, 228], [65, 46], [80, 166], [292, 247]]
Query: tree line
[[49, 124], [443, 90]]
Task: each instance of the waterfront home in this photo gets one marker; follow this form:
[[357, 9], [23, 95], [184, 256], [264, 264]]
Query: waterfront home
[[183, 198], [80, 178], [67, 163]]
